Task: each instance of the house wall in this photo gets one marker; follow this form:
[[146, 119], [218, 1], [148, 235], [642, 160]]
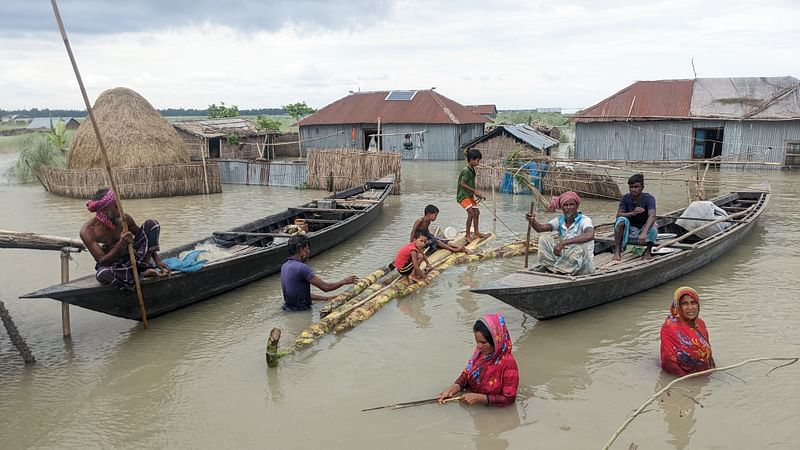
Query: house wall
[[499, 147], [673, 139], [195, 145], [441, 142]]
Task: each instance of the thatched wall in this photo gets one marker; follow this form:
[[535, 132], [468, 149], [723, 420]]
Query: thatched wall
[[138, 182], [556, 181], [348, 168], [495, 150], [134, 134]]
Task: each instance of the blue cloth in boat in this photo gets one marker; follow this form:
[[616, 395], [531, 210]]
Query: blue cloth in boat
[[189, 262]]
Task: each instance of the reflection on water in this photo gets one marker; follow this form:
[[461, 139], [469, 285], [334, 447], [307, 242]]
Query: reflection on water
[[197, 378]]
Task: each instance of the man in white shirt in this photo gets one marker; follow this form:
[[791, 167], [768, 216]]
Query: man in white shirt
[[571, 252]]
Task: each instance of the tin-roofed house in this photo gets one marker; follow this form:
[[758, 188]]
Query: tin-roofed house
[[487, 111], [48, 123], [232, 137], [419, 124], [520, 141], [728, 119]]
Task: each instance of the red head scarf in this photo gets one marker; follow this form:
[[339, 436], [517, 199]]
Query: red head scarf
[[496, 324], [97, 207], [558, 200]]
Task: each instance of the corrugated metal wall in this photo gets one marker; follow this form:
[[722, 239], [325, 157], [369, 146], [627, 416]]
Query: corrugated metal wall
[[273, 173], [671, 140], [441, 142]]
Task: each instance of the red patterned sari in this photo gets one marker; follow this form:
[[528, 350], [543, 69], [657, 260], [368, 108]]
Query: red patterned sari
[[495, 375], [684, 349]]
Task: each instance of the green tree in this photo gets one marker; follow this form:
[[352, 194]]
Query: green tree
[[57, 136], [298, 110], [217, 112], [268, 123]]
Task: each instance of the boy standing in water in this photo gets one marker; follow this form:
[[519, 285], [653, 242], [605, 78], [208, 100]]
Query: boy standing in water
[[467, 194]]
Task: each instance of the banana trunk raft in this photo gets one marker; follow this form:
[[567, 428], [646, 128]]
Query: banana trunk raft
[[374, 291]]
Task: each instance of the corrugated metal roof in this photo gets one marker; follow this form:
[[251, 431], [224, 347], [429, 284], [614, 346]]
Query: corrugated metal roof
[[523, 133], [643, 100], [753, 98], [482, 109], [211, 128], [766, 98], [427, 106], [44, 122]]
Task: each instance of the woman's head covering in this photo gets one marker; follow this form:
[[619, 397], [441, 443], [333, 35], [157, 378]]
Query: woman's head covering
[[674, 309], [496, 324], [558, 200], [97, 207]]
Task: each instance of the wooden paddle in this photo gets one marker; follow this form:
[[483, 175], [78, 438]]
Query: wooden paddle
[[131, 252], [427, 401], [721, 219], [528, 236]]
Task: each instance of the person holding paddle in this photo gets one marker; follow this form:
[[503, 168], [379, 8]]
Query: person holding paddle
[[571, 252], [491, 375]]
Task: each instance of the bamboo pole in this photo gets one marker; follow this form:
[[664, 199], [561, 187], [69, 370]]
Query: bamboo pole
[[205, 173], [65, 324], [13, 334], [16, 239], [103, 151], [528, 238]]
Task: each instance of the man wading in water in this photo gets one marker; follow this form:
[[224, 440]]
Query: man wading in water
[[104, 239]]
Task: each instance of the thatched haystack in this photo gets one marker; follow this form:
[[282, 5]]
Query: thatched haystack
[[134, 133], [343, 169], [147, 156]]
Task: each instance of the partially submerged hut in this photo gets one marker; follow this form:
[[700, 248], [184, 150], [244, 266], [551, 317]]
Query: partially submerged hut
[[519, 141], [147, 155], [230, 137]]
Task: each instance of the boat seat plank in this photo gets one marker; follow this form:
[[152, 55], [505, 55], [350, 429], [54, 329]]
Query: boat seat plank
[[329, 210]]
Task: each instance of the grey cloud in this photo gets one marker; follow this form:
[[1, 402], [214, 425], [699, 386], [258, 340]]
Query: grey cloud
[[106, 17]]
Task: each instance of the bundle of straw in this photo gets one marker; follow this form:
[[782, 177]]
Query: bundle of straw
[[342, 169]]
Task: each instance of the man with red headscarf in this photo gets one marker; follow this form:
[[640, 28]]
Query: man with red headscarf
[[572, 249], [104, 239]]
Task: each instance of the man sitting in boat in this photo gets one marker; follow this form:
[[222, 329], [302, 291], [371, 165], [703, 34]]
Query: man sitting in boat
[[297, 278], [423, 224], [105, 240], [685, 347], [635, 219], [572, 251]]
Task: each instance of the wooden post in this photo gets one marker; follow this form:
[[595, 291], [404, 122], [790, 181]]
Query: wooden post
[[103, 151], [378, 136], [272, 347], [494, 202], [528, 237], [205, 172], [65, 325]]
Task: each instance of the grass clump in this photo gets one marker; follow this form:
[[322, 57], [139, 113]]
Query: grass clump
[[38, 151]]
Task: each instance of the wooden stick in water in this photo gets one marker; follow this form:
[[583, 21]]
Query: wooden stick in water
[[103, 151], [427, 401], [528, 237]]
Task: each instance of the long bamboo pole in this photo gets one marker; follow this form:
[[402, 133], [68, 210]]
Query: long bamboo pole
[[528, 237], [105, 159]]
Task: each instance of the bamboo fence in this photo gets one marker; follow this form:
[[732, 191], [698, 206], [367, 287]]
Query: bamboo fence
[[341, 169], [138, 182], [556, 181]]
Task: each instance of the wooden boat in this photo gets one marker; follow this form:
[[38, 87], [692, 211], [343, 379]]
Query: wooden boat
[[249, 252], [545, 295]]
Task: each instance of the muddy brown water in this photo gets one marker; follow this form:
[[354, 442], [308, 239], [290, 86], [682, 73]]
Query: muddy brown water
[[197, 378]]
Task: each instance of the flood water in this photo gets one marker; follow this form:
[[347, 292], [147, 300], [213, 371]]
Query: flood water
[[197, 378]]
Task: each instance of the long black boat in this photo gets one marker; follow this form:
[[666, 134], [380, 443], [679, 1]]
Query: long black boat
[[248, 253], [545, 295]]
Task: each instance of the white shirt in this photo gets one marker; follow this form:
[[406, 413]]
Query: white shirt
[[578, 228]]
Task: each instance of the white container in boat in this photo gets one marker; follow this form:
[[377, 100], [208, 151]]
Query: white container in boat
[[450, 233]]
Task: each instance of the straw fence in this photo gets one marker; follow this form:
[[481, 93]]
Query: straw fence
[[556, 181], [138, 182], [342, 169]]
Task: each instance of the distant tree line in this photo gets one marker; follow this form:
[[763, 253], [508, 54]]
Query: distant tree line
[[168, 112]]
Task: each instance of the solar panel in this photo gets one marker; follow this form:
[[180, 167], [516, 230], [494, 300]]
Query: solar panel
[[401, 95]]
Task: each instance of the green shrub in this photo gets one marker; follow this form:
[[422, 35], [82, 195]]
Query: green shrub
[[39, 153]]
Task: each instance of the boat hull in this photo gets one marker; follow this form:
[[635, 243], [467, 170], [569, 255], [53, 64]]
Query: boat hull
[[545, 296], [164, 295]]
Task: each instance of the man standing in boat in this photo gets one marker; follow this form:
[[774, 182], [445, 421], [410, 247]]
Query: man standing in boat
[[635, 219], [572, 252], [297, 278], [106, 242]]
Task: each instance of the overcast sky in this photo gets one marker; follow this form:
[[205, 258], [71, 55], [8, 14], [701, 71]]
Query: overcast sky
[[515, 54]]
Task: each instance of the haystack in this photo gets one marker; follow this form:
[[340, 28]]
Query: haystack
[[147, 156], [134, 133]]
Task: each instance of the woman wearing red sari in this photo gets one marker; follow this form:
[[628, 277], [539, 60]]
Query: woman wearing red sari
[[685, 347], [491, 374]]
